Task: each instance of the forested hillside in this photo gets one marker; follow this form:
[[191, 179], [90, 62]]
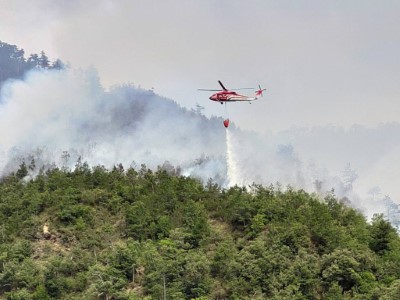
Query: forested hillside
[[13, 63], [90, 233], [97, 232]]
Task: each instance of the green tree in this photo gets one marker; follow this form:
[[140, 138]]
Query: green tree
[[22, 171], [105, 281], [349, 269], [44, 60], [382, 233]]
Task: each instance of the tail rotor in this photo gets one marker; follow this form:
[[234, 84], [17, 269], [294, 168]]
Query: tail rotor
[[260, 91]]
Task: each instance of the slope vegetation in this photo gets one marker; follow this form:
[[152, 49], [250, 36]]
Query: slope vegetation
[[93, 233]]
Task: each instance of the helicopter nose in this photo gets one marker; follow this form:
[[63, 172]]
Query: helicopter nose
[[213, 98]]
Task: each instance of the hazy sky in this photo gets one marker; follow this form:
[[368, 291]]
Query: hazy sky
[[321, 61]]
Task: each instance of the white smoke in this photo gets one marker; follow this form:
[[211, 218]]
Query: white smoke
[[67, 115], [320, 160], [59, 118]]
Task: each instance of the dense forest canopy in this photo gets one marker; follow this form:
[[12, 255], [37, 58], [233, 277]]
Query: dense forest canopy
[[93, 233], [13, 63]]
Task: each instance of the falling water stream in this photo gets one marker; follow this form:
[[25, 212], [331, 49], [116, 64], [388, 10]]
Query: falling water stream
[[231, 161]]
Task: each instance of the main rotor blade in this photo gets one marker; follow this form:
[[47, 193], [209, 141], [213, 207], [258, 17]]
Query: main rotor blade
[[247, 88], [209, 90], [220, 83]]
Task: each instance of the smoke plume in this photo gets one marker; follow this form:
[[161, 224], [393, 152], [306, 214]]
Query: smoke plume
[[58, 118]]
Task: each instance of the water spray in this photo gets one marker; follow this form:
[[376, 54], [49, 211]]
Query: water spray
[[231, 161]]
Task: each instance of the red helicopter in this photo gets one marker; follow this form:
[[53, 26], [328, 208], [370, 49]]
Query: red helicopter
[[225, 96]]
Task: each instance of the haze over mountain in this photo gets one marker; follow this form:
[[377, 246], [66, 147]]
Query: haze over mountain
[[62, 116], [68, 111], [327, 67]]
